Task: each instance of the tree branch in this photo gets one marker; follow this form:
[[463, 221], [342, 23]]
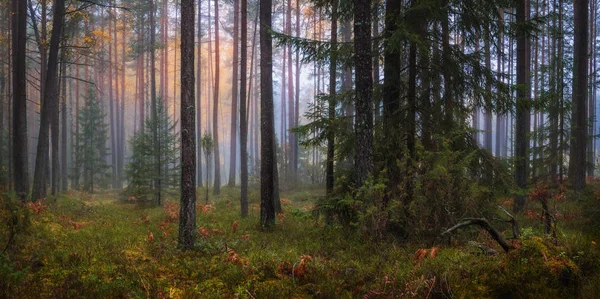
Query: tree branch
[[485, 225]]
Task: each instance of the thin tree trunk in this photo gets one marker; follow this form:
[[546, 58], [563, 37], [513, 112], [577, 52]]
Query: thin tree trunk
[[111, 114], [199, 100], [234, 96], [155, 139], [217, 157], [243, 110], [332, 102]]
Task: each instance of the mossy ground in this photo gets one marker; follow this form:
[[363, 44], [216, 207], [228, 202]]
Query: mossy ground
[[101, 246]]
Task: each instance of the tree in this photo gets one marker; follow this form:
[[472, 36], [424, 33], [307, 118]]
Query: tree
[[217, 185], [207, 144], [19, 125], [199, 100], [91, 153], [155, 140], [187, 218], [332, 101], [234, 95], [523, 105], [577, 164], [243, 110], [363, 127], [50, 104], [141, 172], [267, 126]]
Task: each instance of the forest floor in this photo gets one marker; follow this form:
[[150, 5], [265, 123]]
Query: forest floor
[[102, 246]]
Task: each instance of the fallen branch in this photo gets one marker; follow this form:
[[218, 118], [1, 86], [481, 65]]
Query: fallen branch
[[485, 225], [513, 222], [484, 249]]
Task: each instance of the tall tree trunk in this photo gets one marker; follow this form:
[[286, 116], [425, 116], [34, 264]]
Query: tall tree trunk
[[290, 97], [217, 157], [243, 110], [187, 220], [50, 107], [199, 99], [234, 95], [523, 106], [155, 139], [363, 159], [297, 98], [579, 122], [500, 70], [487, 114], [111, 113], [329, 181], [63, 133], [122, 140], [267, 126], [19, 90]]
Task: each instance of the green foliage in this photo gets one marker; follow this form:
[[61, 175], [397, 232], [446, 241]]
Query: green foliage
[[92, 151], [143, 169]]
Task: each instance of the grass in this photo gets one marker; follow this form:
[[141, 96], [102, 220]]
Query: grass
[[99, 246]]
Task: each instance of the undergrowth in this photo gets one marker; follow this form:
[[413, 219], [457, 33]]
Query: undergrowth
[[97, 246]]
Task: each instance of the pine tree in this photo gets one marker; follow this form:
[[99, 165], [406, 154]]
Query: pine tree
[[91, 153], [141, 172]]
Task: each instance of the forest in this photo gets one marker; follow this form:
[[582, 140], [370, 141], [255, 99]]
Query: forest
[[299, 149]]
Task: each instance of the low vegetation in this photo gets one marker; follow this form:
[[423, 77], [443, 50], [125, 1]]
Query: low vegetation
[[102, 245]]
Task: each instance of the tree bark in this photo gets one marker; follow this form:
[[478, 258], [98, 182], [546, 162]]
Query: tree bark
[[50, 107], [523, 107], [243, 110], [329, 181], [199, 100], [234, 96], [267, 128], [579, 122], [217, 157], [363, 129], [187, 220], [19, 90]]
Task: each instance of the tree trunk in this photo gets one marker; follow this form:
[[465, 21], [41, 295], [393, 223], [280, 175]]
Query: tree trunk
[[243, 110], [155, 139], [577, 167], [187, 220], [111, 113], [199, 100], [267, 128], [234, 96], [363, 159], [217, 157], [332, 102], [523, 107], [19, 90], [50, 107], [63, 133]]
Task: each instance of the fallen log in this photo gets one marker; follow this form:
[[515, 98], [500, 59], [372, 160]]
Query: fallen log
[[483, 223]]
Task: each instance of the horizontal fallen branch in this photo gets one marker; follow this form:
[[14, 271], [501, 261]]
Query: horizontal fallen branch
[[482, 222]]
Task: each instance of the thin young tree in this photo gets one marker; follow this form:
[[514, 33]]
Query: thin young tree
[[329, 181], [243, 109], [217, 158], [187, 219], [234, 95]]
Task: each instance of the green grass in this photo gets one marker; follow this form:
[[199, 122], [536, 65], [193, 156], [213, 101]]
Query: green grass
[[99, 246]]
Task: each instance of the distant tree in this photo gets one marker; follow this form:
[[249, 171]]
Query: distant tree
[[91, 153], [234, 95], [207, 144], [141, 172], [187, 218], [215, 134]]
